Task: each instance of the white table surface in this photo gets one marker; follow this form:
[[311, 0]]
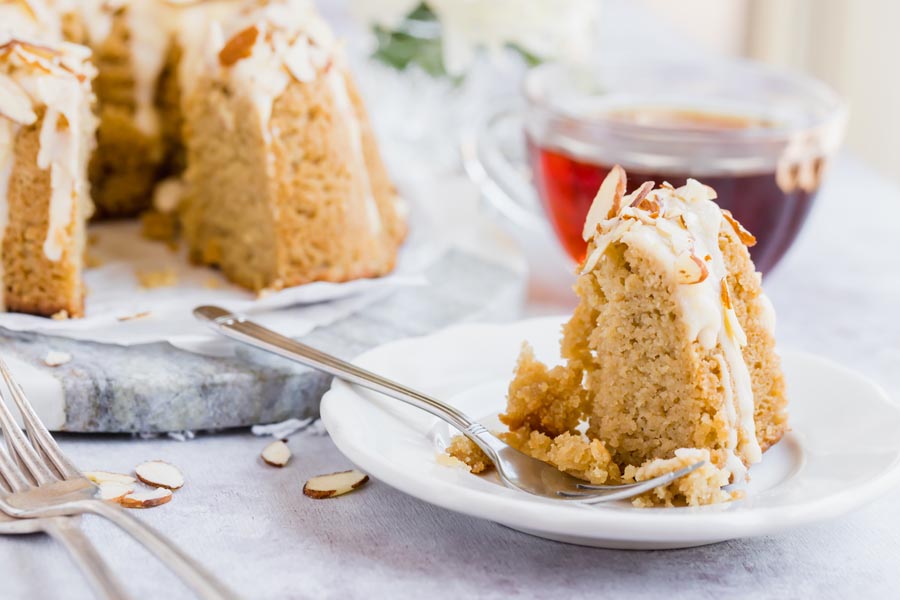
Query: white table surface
[[837, 294]]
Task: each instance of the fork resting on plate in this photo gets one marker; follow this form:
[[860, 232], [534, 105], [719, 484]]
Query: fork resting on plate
[[516, 469]]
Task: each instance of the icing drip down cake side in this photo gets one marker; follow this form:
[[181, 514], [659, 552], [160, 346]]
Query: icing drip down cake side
[[669, 358], [231, 123]]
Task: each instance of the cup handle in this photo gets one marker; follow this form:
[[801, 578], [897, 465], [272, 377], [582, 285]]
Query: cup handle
[[501, 181]]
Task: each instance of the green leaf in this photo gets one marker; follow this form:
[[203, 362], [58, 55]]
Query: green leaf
[[531, 59]]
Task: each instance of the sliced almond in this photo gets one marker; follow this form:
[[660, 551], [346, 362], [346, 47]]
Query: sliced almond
[[745, 236], [639, 195], [690, 269], [26, 6], [724, 295], [101, 477], [15, 104], [239, 46], [147, 499], [55, 358], [297, 60], [160, 474], [335, 484], [113, 491], [277, 453], [607, 202]]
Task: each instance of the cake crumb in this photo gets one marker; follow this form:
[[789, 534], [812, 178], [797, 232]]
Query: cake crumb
[[156, 278], [445, 460], [55, 358], [467, 452], [92, 261], [61, 315], [701, 486], [159, 226], [589, 460]]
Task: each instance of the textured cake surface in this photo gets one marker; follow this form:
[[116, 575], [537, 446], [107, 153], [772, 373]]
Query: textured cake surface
[[284, 182], [670, 353]]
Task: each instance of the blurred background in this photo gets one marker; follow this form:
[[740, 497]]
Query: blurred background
[[851, 45]]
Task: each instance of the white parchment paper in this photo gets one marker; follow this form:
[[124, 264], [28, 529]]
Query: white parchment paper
[[120, 311]]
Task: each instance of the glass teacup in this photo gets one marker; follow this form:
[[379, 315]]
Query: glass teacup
[[762, 138]]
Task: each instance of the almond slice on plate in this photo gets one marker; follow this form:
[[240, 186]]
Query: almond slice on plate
[[276, 454], [335, 484], [160, 474], [101, 477], [147, 499], [114, 491]]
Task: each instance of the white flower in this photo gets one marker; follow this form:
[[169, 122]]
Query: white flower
[[549, 29]]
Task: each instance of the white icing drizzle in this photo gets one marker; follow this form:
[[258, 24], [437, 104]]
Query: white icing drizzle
[[151, 24], [37, 21], [766, 313], [262, 77], [689, 221], [292, 41], [345, 107], [65, 94]]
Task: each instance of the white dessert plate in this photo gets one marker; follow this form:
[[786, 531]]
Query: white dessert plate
[[842, 452]]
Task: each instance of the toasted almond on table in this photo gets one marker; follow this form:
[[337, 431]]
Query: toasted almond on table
[[101, 477], [147, 499], [160, 474], [276, 454], [335, 484], [55, 358], [114, 491]]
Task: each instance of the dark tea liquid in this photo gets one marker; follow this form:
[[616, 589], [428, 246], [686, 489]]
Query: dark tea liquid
[[567, 186]]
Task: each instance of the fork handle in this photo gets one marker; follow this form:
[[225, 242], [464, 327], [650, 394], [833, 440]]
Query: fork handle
[[66, 531], [248, 332], [202, 582]]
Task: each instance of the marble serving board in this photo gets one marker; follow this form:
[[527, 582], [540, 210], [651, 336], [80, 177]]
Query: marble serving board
[[159, 388]]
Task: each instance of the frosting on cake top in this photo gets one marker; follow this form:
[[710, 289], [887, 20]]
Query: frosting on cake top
[[261, 49], [30, 18], [680, 227]]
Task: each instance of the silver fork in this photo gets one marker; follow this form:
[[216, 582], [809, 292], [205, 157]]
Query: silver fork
[[45, 483], [516, 469], [66, 530]]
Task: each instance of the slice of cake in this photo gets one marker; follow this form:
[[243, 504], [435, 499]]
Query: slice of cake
[[46, 137], [669, 357], [284, 181], [131, 41]]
